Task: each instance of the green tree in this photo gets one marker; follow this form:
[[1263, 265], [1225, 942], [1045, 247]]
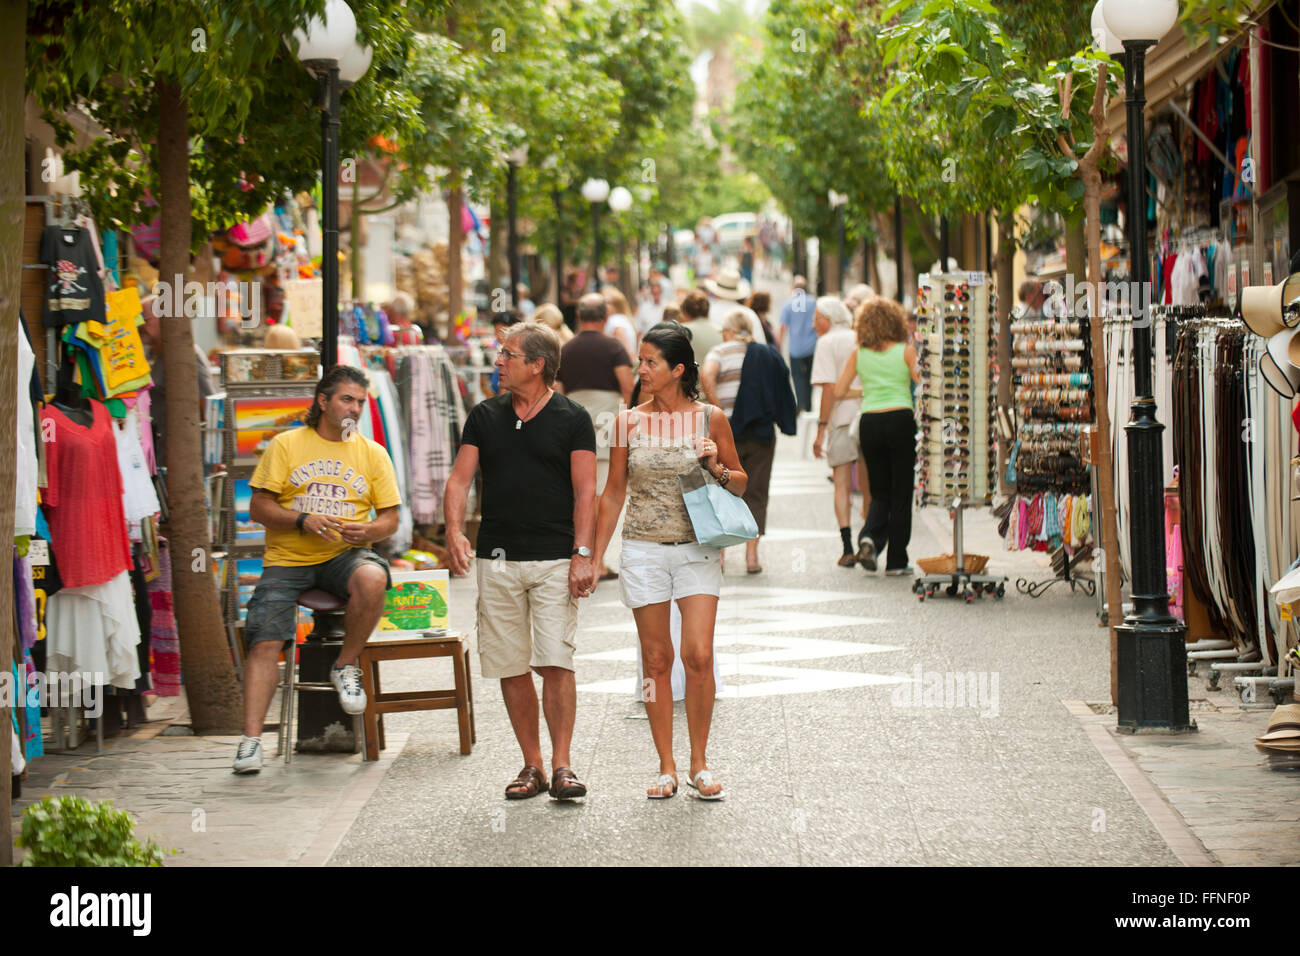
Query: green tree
[[159, 78]]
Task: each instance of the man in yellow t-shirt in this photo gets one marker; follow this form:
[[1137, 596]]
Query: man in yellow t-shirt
[[314, 490]]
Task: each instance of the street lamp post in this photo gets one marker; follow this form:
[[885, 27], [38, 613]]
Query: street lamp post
[[595, 191], [514, 159], [1152, 655], [329, 50]]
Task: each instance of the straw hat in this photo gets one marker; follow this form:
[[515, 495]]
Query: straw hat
[[1284, 724], [1261, 308], [728, 285], [1276, 365]]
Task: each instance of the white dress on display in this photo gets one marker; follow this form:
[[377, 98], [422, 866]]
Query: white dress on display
[[93, 631]]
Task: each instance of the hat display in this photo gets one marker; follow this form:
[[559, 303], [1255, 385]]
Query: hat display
[[1268, 309], [1283, 725], [728, 285], [1276, 367]]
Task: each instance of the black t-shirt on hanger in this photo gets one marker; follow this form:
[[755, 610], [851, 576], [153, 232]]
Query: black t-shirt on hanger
[[73, 290]]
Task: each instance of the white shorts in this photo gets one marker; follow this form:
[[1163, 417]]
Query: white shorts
[[651, 573]]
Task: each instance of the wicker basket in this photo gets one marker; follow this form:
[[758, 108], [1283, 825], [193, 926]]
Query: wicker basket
[[947, 563]]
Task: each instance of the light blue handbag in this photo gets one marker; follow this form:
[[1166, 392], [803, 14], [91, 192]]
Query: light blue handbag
[[720, 519]]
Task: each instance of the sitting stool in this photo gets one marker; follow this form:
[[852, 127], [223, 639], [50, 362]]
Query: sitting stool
[[378, 703], [327, 628]]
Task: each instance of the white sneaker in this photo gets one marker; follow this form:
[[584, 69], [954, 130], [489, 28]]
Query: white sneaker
[[248, 758], [347, 681]]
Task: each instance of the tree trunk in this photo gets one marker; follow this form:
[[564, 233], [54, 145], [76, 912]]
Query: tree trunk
[[207, 668], [13, 23], [1076, 253], [925, 226], [498, 265], [1091, 176], [455, 239], [1006, 300]]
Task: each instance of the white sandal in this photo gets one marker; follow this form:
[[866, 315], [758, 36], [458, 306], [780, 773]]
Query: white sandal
[[704, 778], [665, 780]]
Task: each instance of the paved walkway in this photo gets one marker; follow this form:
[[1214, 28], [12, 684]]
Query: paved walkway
[[856, 726]]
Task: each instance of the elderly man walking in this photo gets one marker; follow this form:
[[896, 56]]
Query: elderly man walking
[[537, 450]]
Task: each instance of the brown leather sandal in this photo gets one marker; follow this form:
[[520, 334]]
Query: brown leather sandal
[[565, 785], [531, 779]]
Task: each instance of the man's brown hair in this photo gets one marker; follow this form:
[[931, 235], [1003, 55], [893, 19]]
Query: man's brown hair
[[695, 305]]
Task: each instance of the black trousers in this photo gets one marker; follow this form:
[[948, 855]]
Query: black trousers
[[801, 373], [888, 442]]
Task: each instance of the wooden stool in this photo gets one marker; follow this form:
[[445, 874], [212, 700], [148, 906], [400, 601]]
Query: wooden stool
[[379, 703], [327, 614]]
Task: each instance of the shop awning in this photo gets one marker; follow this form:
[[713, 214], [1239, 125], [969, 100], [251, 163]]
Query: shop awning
[[1172, 66]]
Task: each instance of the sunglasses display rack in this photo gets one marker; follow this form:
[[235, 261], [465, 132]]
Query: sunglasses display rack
[[955, 408], [1051, 388]]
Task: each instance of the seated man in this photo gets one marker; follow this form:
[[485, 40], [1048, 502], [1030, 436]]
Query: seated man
[[314, 490]]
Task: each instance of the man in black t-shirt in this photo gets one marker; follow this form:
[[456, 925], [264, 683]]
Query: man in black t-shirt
[[537, 450]]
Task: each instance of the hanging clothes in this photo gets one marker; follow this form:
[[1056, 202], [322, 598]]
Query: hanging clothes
[[139, 497], [165, 667], [93, 630], [27, 464], [74, 291], [83, 502]]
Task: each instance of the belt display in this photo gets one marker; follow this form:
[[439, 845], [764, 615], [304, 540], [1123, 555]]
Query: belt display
[[1230, 438], [955, 398]]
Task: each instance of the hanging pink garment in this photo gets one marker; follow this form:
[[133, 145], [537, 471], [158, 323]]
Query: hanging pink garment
[[1174, 553]]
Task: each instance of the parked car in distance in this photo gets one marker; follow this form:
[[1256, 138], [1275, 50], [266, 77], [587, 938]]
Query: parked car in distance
[[732, 229]]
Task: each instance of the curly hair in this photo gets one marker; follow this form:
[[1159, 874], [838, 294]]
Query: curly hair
[[879, 322]]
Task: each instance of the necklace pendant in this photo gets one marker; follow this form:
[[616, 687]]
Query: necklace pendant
[[519, 423]]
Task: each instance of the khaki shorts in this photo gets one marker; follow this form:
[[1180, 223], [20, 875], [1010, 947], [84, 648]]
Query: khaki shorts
[[842, 448], [526, 616]]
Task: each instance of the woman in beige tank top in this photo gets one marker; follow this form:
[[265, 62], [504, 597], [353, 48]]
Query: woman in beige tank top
[[669, 433]]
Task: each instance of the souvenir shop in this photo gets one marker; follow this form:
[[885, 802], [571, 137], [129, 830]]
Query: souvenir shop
[[1220, 187], [91, 572], [91, 568]]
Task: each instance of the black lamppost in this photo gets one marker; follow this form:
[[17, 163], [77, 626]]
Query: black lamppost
[[595, 191], [329, 50], [514, 159], [1152, 655]]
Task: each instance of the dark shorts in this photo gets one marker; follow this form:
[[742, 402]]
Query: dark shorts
[[273, 608]]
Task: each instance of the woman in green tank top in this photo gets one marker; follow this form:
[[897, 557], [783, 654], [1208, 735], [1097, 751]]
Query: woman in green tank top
[[885, 363]]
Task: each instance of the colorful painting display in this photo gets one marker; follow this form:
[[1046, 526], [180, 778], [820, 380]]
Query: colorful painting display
[[258, 420]]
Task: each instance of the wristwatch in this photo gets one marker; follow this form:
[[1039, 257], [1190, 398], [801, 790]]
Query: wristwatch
[[580, 552], [301, 518]]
